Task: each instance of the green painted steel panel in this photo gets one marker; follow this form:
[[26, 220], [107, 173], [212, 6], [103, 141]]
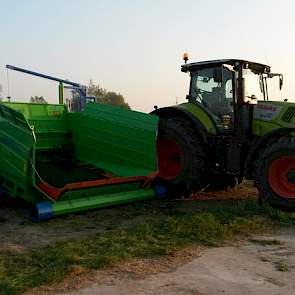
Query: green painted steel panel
[[35, 110], [48, 122], [271, 115], [118, 140], [16, 144], [102, 190], [70, 206]]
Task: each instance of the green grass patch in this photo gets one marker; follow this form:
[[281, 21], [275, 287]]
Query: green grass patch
[[163, 229], [281, 266]]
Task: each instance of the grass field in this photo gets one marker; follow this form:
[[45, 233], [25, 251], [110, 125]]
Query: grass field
[[153, 229]]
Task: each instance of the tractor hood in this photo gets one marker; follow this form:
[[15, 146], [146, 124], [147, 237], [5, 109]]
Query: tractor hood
[[271, 115]]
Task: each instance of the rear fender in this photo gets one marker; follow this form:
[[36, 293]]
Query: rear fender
[[180, 112]]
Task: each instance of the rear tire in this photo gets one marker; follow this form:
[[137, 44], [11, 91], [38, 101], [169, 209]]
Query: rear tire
[[181, 157], [275, 174]]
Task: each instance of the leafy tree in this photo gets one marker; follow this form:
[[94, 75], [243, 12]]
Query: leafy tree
[[38, 99], [104, 96], [95, 90]]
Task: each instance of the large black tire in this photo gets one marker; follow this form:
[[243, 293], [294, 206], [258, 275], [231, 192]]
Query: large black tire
[[275, 171], [180, 147]]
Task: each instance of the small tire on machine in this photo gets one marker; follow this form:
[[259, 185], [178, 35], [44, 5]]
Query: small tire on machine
[[278, 150], [192, 175]]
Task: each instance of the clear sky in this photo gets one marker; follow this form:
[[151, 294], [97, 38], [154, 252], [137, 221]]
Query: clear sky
[[135, 47]]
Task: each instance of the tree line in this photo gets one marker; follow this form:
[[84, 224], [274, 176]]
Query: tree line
[[101, 95], [104, 96]]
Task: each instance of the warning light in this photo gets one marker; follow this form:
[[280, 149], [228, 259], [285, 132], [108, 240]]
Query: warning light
[[185, 57]]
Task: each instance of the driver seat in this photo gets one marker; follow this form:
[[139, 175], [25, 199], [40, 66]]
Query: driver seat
[[217, 103]]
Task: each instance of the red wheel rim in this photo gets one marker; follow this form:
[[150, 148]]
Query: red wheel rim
[[281, 176], [170, 159]]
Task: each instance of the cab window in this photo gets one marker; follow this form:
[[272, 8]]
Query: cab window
[[212, 87]]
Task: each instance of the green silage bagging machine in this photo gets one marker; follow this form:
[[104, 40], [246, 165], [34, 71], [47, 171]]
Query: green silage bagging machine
[[64, 161], [83, 155]]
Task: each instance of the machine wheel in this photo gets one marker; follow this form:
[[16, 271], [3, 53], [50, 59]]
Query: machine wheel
[[181, 157], [275, 174]]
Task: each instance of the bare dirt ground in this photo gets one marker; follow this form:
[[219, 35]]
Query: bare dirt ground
[[264, 265]]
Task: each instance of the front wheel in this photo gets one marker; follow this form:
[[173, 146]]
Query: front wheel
[[275, 174]]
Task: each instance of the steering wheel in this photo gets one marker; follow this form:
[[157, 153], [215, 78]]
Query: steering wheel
[[203, 91]]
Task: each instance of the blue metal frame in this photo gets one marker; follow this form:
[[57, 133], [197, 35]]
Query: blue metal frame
[[81, 89]]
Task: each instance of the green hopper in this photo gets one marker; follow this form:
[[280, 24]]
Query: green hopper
[[63, 162]]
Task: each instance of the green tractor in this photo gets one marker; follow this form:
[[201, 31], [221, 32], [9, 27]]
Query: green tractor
[[227, 131]]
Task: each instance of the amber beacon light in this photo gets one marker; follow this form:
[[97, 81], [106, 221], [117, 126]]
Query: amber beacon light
[[185, 57]]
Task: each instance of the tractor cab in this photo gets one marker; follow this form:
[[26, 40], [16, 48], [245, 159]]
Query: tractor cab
[[227, 89]]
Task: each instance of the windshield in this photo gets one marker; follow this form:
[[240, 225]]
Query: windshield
[[253, 86], [202, 84], [212, 87]]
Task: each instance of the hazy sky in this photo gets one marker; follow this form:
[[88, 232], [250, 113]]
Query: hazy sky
[[135, 47]]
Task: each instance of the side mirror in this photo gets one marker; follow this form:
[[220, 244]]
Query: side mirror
[[281, 81], [217, 75]]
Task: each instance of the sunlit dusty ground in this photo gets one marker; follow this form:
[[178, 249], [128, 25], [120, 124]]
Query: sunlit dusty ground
[[252, 267]]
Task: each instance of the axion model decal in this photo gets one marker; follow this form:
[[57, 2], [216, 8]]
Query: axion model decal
[[266, 112]]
